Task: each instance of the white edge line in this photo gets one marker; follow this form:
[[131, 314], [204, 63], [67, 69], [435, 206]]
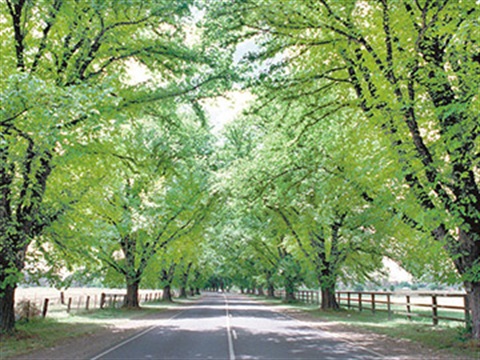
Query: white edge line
[[331, 334], [231, 353], [132, 338]]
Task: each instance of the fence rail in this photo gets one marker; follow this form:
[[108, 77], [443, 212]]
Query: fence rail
[[437, 306], [38, 306], [409, 304]]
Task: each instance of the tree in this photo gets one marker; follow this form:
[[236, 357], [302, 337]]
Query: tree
[[64, 66], [406, 68], [154, 193]]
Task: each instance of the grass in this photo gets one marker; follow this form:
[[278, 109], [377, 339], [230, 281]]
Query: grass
[[451, 337], [42, 333], [39, 333]]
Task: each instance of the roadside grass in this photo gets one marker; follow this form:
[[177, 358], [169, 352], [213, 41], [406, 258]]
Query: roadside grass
[[39, 333], [447, 336], [42, 333]]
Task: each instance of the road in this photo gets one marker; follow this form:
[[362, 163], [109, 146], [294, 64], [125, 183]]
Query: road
[[233, 327]]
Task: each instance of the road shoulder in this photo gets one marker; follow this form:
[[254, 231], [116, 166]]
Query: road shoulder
[[384, 345], [90, 344]]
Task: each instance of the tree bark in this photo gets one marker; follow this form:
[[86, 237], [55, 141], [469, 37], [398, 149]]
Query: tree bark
[[7, 310], [473, 294], [260, 291], [131, 300], [289, 296], [289, 289], [271, 291], [183, 292], [329, 300], [183, 287], [167, 293]]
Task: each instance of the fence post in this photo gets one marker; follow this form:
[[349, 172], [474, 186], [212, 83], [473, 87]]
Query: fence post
[[349, 299], [62, 298], [389, 307], [45, 308], [434, 310], [408, 308], [28, 310], [359, 301], [69, 304], [339, 298], [87, 303], [373, 303]]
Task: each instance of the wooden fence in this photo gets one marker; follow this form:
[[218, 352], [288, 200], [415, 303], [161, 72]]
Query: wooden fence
[[410, 304], [29, 308], [437, 306]]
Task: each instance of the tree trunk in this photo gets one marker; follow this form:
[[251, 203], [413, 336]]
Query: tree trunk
[[260, 292], [183, 292], [7, 310], [473, 294], [183, 287], [289, 295], [197, 291], [289, 289], [271, 291], [131, 300], [329, 300], [167, 293]]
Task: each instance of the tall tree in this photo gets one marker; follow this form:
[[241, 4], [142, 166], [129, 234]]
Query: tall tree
[[65, 78], [410, 70]]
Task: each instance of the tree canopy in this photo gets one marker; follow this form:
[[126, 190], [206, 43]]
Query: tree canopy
[[361, 144]]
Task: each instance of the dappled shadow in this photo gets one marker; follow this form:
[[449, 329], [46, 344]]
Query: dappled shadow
[[256, 332]]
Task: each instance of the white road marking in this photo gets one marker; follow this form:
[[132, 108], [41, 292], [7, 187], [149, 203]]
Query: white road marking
[[132, 338], [235, 336], [231, 353]]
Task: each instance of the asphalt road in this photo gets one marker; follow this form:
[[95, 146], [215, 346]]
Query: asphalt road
[[228, 326]]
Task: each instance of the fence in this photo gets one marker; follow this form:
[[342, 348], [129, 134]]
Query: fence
[[437, 306], [410, 304], [31, 307]]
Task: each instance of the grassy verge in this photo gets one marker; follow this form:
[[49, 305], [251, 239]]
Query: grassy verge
[[447, 336], [41, 333]]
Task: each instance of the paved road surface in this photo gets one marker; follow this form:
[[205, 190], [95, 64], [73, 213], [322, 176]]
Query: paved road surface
[[227, 326]]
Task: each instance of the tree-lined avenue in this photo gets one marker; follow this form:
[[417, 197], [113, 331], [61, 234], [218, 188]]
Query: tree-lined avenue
[[228, 326]]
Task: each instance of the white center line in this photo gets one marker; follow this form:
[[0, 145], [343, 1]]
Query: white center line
[[231, 353]]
